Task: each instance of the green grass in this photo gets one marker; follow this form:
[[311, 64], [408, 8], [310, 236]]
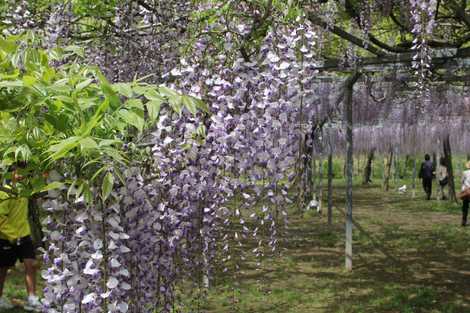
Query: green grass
[[412, 256]]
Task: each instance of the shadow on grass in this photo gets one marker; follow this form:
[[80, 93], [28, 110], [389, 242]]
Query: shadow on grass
[[401, 263]]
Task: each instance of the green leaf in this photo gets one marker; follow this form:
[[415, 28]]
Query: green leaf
[[153, 109], [11, 83], [73, 188], [87, 194], [61, 149], [119, 175], [29, 81], [115, 154], [109, 142], [189, 103], [201, 105], [98, 172], [51, 186], [9, 46], [134, 103], [140, 90], [59, 121], [86, 128], [174, 99], [82, 85], [107, 186], [152, 94], [132, 118], [24, 151], [75, 50], [108, 90], [123, 89], [88, 143]]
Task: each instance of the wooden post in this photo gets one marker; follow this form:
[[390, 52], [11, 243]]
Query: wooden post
[[348, 99]]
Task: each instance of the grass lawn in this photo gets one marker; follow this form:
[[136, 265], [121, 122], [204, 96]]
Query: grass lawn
[[410, 255]]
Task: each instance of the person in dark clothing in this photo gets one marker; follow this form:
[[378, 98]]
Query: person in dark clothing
[[426, 173]]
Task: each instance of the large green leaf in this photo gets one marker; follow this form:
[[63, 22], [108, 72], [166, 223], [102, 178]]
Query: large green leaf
[[11, 83], [86, 128], [61, 149], [107, 186], [174, 99], [9, 46], [51, 186], [82, 85], [123, 89], [108, 91], [59, 121], [88, 143], [189, 104], [153, 109], [132, 118]]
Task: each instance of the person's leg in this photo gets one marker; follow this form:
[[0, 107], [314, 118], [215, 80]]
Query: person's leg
[[3, 276], [30, 266], [430, 189], [427, 187], [27, 255], [7, 260], [465, 205]]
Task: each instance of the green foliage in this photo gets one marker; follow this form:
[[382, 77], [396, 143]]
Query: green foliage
[[70, 117]]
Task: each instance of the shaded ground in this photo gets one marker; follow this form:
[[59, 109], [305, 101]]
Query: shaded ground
[[410, 255]]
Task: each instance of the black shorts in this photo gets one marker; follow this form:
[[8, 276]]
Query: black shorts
[[10, 252]]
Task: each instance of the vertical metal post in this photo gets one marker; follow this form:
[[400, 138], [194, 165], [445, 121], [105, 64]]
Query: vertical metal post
[[348, 99]]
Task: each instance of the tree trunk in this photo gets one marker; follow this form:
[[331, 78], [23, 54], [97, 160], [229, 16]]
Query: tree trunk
[[450, 171], [320, 183], [405, 168], [368, 169], [387, 170], [348, 97], [396, 167]]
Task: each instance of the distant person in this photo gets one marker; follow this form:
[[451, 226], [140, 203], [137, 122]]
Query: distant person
[[426, 173], [16, 243], [465, 187], [442, 178]]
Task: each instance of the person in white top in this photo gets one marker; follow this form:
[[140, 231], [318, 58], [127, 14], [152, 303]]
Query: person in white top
[[465, 185], [442, 178]]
